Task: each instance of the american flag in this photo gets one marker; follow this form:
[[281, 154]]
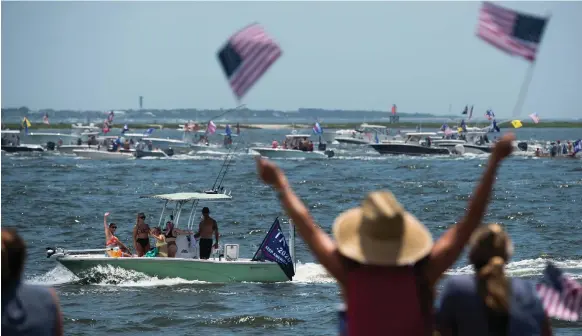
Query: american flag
[[512, 32], [535, 118], [561, 296], [489, 114], [211, 129], [45, 119], [247, 55]]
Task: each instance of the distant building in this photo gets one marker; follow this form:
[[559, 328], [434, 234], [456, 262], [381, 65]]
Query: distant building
[[140, 102]]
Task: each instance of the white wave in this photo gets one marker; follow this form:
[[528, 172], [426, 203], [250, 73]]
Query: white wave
[[305, 273]]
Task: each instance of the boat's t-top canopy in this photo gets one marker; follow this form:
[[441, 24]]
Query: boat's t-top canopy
[[295, 136], [183, 198], [190, 196]]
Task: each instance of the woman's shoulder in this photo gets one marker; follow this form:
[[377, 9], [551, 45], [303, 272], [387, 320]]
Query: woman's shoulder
[[459, 284]]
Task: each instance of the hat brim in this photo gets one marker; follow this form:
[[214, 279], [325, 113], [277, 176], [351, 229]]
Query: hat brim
[[414, 244]]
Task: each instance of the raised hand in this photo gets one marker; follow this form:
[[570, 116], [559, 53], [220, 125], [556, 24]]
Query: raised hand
[[270, 173], [503, 147]]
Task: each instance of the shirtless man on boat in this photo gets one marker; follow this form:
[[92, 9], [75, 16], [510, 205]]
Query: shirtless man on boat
[[206, 228]]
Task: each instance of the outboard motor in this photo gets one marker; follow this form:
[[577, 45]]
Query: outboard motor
[[50, 251], [522, 145], [329, 153], [322, 146], [50, 145], [169, 151]]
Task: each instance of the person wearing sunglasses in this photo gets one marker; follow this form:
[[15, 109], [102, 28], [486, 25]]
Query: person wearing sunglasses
[[115, 247], [141, 235]]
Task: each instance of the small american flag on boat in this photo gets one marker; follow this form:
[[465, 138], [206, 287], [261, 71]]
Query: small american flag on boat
[[246, 56], [45, 119], [561, 295], [515, 33], [535, 117]]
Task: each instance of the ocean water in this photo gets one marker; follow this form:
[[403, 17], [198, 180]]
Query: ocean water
[[60, 200]]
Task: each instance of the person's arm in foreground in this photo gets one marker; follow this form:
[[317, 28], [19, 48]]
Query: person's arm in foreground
[[450, 245], [318, 241], [59, 314]]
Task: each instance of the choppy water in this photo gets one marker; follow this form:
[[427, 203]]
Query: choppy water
[[60, 200]]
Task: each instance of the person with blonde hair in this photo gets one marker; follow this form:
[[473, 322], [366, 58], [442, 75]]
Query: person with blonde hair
[[384, 258], [489, 303]]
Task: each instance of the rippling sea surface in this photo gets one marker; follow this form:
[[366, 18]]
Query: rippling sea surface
[[60, 200]]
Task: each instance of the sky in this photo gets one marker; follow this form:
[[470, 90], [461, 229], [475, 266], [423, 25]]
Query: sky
[[422, 56]]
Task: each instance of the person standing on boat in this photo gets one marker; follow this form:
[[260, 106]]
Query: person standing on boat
[[112, 242], [171, 234], [141, 238], [26, 309], [207, 227]]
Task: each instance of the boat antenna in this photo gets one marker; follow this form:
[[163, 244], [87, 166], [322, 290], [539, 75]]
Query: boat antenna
[[225, 165], [227, 160]]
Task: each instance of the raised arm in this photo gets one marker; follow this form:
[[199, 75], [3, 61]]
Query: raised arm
[[106, 228], [450, 245], [318, 241]]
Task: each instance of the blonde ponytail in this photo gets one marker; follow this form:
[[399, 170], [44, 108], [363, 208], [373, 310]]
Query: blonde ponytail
[[493, 285]]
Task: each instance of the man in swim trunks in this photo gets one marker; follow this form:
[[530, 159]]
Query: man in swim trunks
[[141, 238], [206, 228]]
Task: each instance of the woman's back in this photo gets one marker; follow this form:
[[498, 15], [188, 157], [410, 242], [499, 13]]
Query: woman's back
[[385, 301], [463, 311], [28, 310]]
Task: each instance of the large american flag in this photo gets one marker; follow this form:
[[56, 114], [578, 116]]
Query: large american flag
[[246, 56], [561, 295], [535, 118], [515, 33]]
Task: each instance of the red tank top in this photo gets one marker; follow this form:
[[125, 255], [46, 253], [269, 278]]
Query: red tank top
[[384, 301]]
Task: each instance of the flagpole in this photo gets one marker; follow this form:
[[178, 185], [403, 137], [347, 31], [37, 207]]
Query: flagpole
[[529, 74], [523, 91]]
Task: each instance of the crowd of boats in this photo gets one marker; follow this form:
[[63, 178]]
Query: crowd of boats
[[88, 142]]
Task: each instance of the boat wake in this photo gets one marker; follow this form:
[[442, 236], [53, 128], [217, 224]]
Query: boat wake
[[306, 273]]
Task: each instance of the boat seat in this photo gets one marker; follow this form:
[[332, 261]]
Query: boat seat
[[184, 250], [231, 252]]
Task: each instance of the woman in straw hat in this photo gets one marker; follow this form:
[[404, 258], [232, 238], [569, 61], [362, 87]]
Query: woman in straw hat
[[383, 258], [489, 303]]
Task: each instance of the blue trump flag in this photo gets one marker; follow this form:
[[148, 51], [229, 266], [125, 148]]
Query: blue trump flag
[[274, 248]]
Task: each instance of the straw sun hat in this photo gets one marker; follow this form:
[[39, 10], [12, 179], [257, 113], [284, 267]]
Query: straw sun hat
[[380, 232]]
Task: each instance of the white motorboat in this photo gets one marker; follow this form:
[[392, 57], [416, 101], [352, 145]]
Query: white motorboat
[[11, 143], [291, 149], [274, 261], [472, 142], [365, 134]]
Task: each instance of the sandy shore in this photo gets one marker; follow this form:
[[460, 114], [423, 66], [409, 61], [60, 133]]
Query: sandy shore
[[276, 127]]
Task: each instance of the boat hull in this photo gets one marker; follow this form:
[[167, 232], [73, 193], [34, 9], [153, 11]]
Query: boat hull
[[187, 269], [102, 154], [22, 149], [274, 153], [406, 149], [468, 148], [351, 141]]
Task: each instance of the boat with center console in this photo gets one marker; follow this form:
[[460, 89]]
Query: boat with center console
[[274, 261], [291, 149], [416, 143]]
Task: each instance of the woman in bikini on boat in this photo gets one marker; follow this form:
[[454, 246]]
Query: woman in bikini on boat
[[118, 249], [141, 238], [171, 234]]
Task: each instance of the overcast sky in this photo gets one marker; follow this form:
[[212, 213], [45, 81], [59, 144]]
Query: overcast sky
[[421, 56]]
